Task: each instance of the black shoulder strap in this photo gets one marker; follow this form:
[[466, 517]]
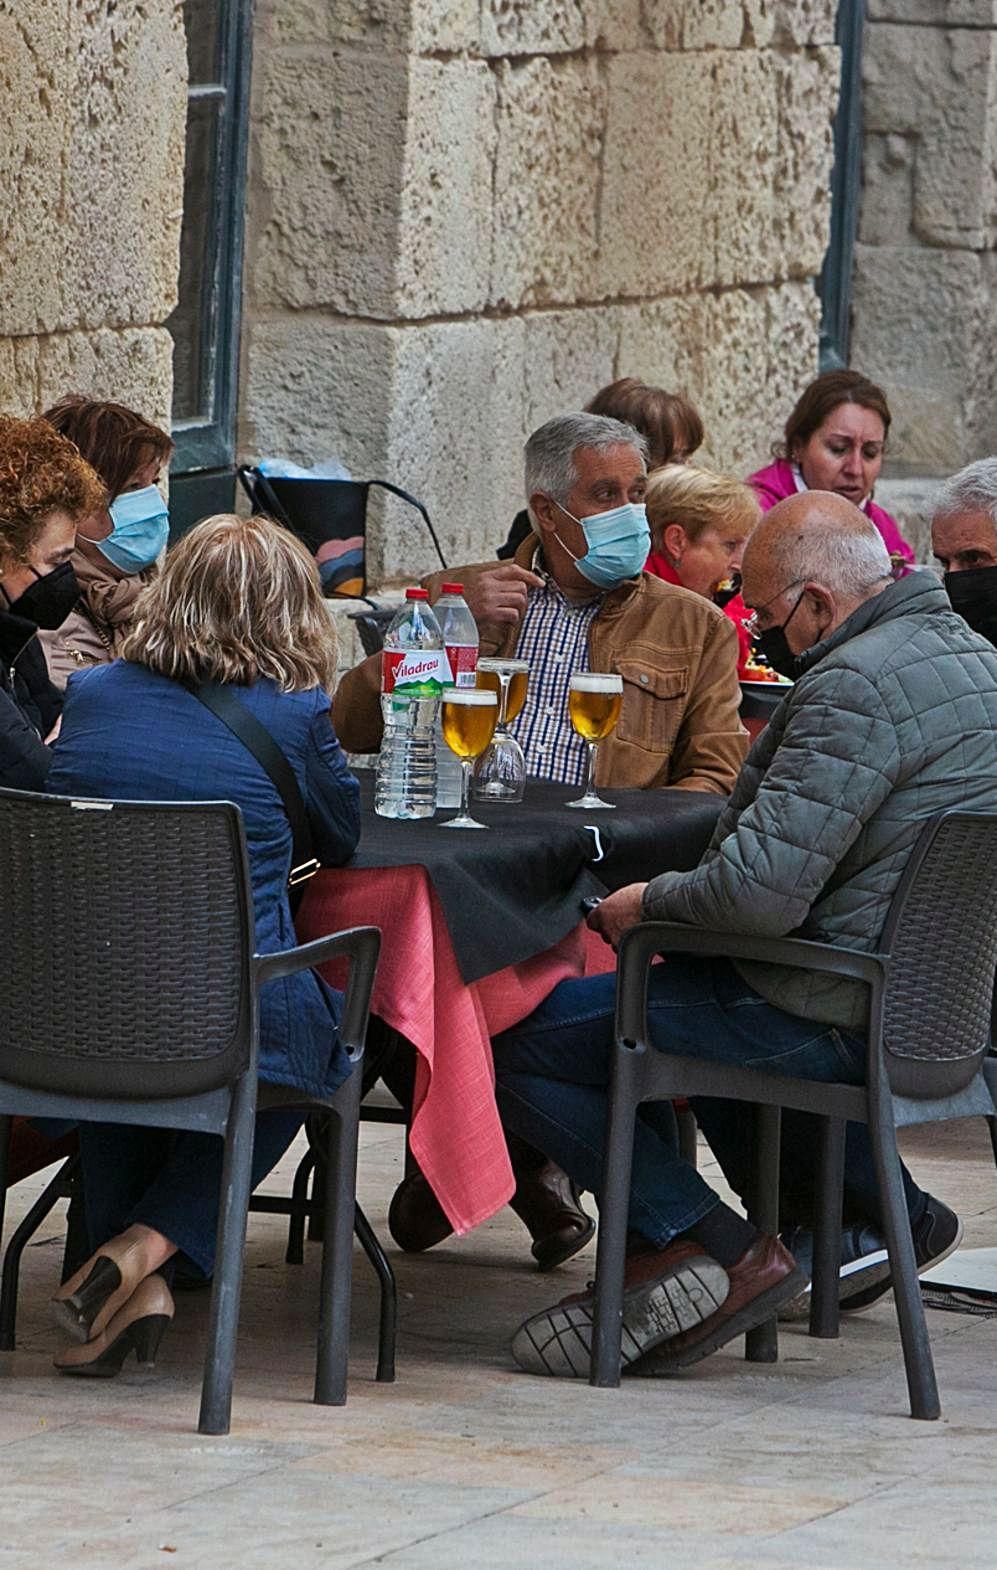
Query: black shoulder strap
[[258, 740]]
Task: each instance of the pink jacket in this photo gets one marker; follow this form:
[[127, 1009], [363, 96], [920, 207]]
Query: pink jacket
[[776, 482]]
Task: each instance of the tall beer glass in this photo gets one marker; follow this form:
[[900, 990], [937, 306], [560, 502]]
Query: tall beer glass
[[468, 717], [500, 773], [594, 702]]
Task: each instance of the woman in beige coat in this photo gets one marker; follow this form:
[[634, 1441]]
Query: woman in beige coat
[[117, 547]]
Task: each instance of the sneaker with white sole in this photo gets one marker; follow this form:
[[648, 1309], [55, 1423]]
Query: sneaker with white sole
[[666, 1291], [864, 1277]]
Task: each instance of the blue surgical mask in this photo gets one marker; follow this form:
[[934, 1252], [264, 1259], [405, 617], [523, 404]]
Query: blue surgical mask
[[618, 542], [141, 528]]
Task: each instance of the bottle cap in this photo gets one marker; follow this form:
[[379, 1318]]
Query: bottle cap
[[417, 594], [453, 588]]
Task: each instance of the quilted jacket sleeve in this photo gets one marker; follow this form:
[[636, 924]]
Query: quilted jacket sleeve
[[837, 760]]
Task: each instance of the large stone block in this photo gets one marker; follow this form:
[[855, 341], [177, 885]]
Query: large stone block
[[656, 173], [912, 503], [526, 27], [948, 13], [445, 223], [923, 320], [741, 196], [35, 86], [551, 122], [567, 357], [949, 77], [123, 163], [325, 197], [455, 439], [808, 86], [19, 375], [887, 212], [132, 365], [662, 342], [744, 24]]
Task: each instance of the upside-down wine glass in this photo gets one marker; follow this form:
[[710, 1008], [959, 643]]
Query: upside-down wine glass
[[500, 772], [594, 702]]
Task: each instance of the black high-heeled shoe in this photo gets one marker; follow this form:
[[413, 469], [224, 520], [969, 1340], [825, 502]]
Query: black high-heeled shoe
[[137, 1327]]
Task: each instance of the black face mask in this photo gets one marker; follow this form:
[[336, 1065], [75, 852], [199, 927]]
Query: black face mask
[[774, 644], [974, 595], [49, 599]]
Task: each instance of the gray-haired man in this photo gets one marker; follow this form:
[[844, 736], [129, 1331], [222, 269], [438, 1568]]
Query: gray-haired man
[[964, 538]]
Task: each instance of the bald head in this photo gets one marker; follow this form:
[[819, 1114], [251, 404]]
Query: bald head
[[815, 558]]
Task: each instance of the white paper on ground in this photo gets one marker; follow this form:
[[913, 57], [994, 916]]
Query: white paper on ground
[[968, 1269]]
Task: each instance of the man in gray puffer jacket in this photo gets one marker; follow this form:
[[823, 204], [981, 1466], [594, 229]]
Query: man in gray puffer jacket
[[893, 718]]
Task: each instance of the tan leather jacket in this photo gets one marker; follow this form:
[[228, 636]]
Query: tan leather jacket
[[677, 655], [95, 628]]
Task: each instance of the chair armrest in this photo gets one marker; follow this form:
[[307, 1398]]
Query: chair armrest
[[362, 945], [640, 944]]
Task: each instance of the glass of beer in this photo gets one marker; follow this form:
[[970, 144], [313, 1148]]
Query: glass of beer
[[594, 702], [500, 772], [468, 717]]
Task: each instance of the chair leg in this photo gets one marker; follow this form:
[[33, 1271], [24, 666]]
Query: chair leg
[[54, 1190], [295, 1254], [761, 1345], [614, 1207], [686, 1120], [337, 1249], [992, 1126], [226, 1288], [387, 1331], [6, 1124], [824, 1289], [922, 1386]]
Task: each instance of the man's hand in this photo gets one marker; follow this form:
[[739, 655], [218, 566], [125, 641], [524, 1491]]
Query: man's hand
[[499, 595], [617, 912]]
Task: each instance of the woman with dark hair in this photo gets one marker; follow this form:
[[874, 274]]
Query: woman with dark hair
[[45, 490], [238, 603], [834, 441], [117, 546], [669, 423]]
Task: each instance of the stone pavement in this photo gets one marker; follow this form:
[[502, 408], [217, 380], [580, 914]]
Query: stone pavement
[[466, 1462]]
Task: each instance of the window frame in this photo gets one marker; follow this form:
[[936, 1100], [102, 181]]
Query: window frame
[[835, 283], [209, 443]]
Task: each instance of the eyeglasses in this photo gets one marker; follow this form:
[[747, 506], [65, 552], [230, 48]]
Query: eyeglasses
[[751, 623]]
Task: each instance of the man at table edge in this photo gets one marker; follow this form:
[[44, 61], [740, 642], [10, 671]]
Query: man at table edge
[[812, 843], [575, 598]]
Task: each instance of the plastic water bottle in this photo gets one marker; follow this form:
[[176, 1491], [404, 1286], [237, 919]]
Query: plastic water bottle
[[460, 641], [414, 670]]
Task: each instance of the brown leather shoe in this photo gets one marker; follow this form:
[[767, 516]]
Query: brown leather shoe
[[546, 1201], [765, 1276], [549, 1206], [416, 1219], [665, 1292]]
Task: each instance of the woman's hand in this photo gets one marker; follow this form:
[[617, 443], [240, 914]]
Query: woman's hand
[[53, 734], [613, 915]]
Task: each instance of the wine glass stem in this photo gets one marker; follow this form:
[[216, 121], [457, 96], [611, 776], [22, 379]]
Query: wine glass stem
[[590, 785], [465, 785], [503, 698]]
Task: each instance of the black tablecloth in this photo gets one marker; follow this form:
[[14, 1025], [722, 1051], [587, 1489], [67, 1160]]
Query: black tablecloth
[[512, 892]]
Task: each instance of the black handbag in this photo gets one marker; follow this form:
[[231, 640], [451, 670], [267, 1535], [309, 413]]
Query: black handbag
[[258, 740]]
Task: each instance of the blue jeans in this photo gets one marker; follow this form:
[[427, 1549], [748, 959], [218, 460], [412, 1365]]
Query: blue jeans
[[168, 1180], [552, 1076]]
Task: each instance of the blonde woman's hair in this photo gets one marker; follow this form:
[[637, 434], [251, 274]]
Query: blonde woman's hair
[[698, 499], [237, 599]]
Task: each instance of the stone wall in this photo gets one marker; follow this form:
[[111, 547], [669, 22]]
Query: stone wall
[[91, 188], [925, 304], [464, 216]]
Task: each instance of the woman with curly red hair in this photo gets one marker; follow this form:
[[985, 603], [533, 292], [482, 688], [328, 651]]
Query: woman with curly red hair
[[46, 488]]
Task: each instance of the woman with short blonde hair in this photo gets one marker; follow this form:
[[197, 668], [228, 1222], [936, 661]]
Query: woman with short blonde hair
[[237, 605], [699, 524]]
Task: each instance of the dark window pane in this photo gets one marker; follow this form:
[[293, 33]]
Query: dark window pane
[[202, 20], [192, 322]]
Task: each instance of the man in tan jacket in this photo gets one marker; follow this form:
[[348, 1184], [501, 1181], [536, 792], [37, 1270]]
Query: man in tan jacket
[[575, 599]]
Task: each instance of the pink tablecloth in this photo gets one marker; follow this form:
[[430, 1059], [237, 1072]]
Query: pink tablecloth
[[456, 1136]]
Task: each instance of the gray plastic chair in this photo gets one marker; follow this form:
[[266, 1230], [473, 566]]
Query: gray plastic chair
[[931, 985], [129, 946]]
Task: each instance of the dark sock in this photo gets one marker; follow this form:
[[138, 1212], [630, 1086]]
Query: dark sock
[[723, 1234]]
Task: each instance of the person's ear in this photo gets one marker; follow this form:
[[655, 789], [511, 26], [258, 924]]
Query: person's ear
[[544, 511], [821, 605], [674, 541]]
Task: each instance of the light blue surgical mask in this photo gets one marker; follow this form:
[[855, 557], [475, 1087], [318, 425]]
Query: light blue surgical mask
[[141, 529], [618, 542]]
